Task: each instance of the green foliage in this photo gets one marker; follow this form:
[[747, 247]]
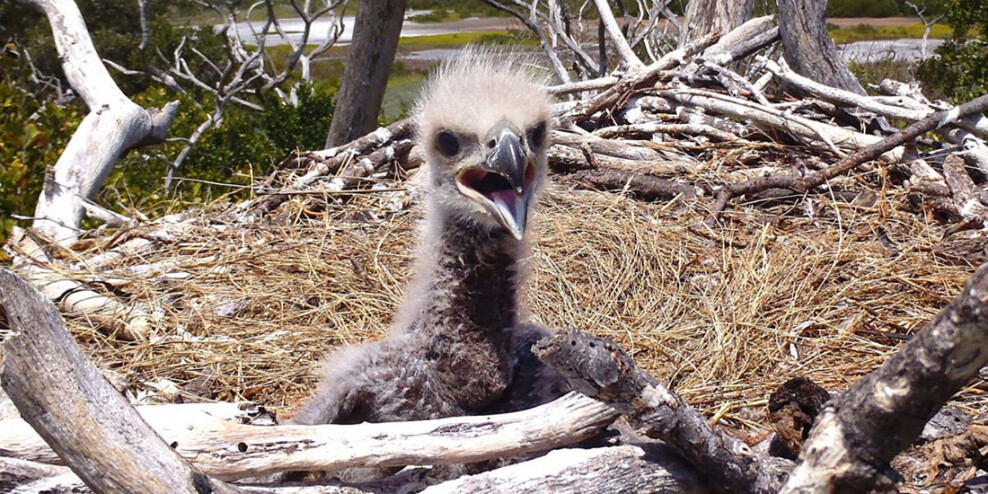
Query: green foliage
[[305, 126], [34, 128], [245, 145], [961, 71], [868, 32], [859, 8], [499, 38], [444, 10], [32, 136], [869, 73], [437, 15], [969, 16]]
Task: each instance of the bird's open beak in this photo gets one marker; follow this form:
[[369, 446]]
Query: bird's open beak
[[503, 183]]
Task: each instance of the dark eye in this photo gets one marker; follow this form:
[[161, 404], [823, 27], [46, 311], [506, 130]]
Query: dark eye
[[447, 144], [536, 135]]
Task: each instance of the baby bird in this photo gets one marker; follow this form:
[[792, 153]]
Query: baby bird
[[457, 346]]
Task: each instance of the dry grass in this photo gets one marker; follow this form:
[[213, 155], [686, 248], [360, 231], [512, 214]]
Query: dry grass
[[725, 315]]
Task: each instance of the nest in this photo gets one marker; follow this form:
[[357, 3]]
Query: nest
[[724, 315]]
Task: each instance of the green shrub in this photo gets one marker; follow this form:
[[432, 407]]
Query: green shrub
[[867, 32], [869, 73], [245, 145], [32, 135], [34, 128], [867, 8], [961, 71], [34, 132], [458, 9]]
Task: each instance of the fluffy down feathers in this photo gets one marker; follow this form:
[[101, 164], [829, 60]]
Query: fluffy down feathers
[[457, 346]]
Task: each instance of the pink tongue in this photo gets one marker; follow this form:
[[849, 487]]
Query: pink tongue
[[504, 198]]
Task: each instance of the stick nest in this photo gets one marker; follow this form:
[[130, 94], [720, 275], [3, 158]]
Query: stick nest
[[725, 315]]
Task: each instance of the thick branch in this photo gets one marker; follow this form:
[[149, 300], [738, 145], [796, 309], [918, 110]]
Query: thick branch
[[865, 427], [114, 125], [818, 134], [226, 449], [628, 57], [639, 185], [966, 195], [741, 42], [565, 160], [837, 95], [598, 368], [803, 183], [68, 401], [15, 472], [651, 468]]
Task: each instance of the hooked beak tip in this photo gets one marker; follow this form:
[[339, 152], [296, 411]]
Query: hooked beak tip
[[513, 214]]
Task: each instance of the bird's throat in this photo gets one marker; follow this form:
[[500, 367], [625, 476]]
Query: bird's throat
[[474, 287], [470, 304]]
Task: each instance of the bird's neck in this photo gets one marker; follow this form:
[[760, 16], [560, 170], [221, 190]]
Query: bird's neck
[[473, 289], [464, 301]]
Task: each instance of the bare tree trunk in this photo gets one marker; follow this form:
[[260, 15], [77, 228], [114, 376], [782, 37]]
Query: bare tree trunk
[[809, 49], [114, 125], [706, 16], [372, 51]]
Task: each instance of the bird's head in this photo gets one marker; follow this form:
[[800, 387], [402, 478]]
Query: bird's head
[[484, 125]]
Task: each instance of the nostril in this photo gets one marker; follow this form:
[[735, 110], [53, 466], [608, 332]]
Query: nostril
[[491, 143]]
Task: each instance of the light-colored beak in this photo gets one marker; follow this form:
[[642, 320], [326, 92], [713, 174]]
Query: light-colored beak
[[504, 183], [512, 211]]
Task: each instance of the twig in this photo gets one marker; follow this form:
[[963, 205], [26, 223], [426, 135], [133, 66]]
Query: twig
[[657, 128], [805, 183]]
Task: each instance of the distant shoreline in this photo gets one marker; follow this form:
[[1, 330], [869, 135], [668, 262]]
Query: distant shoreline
[[477, 24]]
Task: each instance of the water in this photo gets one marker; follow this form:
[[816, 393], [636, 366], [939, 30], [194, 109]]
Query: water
[[903, 50], [906, 50], [322, 28]]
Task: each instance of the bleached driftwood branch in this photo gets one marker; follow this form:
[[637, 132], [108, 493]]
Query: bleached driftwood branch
[[114, 125], [817, 134], [16, 473], [81, 416], [228, 450], [802, 183], [743, 41], [650, 468], [964, 193], [72, 295], [847, 98], [628, 57]]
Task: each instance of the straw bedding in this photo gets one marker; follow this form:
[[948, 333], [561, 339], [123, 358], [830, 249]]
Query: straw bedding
[[725, 315]]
